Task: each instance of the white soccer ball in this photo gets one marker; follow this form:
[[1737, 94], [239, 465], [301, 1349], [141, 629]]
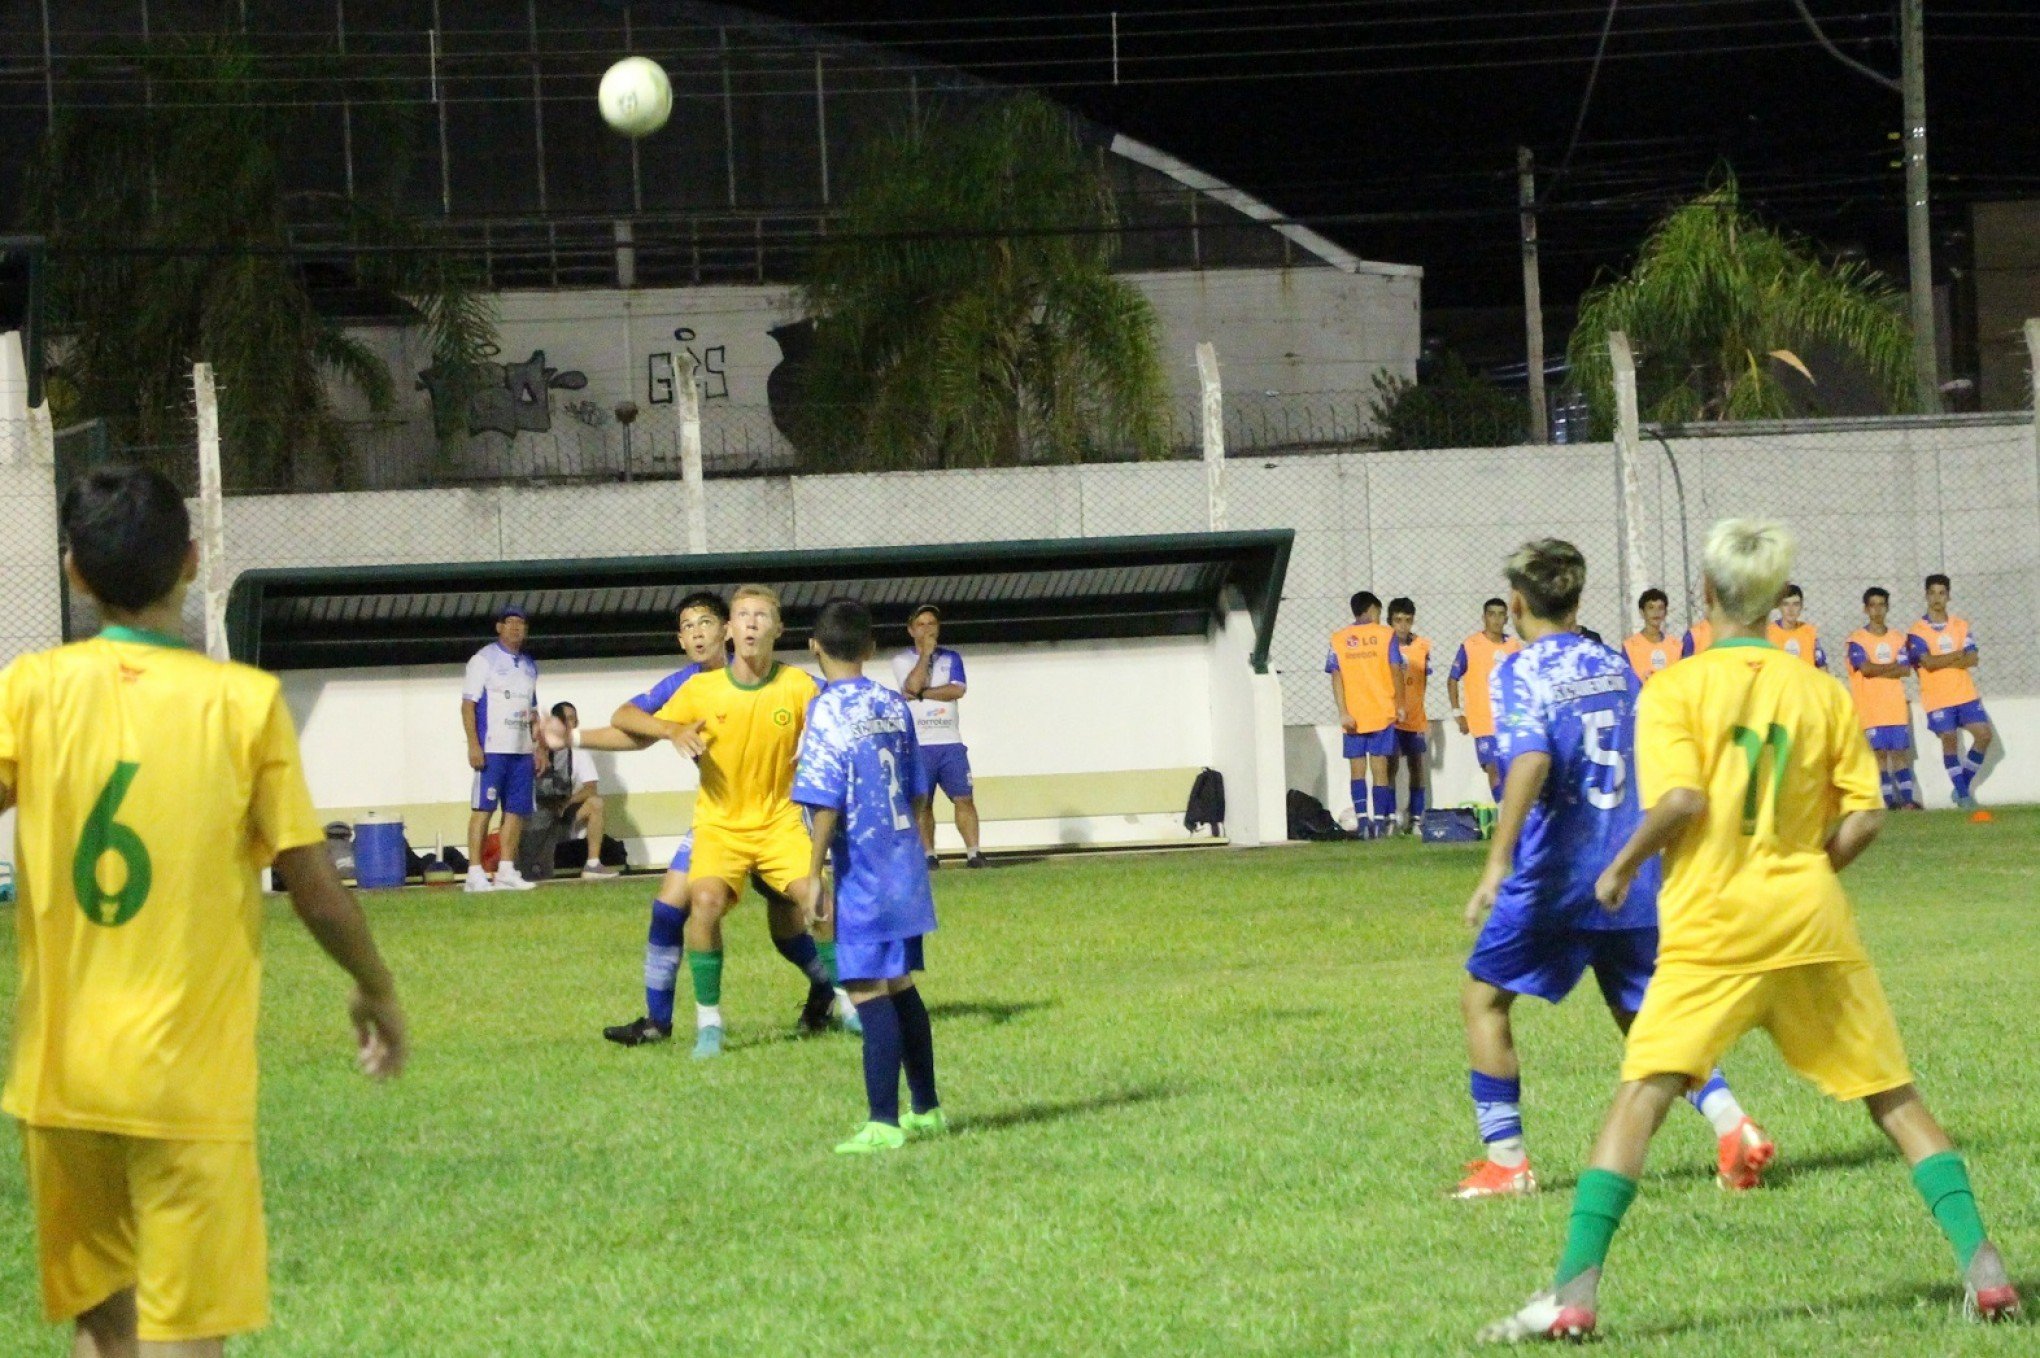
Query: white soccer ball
[[636, 97]]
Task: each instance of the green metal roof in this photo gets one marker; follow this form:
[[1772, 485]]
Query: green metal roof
[[1069, 589]]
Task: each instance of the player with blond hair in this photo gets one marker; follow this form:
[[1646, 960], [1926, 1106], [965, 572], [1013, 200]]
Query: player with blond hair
[[1758, 789]]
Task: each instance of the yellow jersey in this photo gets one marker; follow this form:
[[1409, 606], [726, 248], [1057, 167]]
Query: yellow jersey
[[152, 785], [753, 734], [1776, 748]]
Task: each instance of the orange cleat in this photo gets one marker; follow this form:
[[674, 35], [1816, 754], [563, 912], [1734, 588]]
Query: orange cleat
[[1490, 1180], [1744, 1153]]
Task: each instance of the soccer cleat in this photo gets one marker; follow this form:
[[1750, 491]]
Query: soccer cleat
[[921, 1126], [477, 880], [816, 1012], [509, 878], [1987, 1291], [1743, 1154], [599, 870], [1567, 1313], [638, 1032], [976, 860], [844, 1010], [934, 861], [708, 1042], [1490, 1180], [1911, 806], [872, 1138]]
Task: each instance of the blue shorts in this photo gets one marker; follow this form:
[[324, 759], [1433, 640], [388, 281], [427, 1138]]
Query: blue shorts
[[947, 767], [1949, 719], [1411, 744], [1485, 752], [505, 779], [1548, 963], [1894, 738], [1371, 743], [682, 855], [878, 961]]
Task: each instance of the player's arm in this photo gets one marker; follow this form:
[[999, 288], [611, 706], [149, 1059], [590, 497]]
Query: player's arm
[[943, 693], [915, 685], [822, 829], [1854, 833], [1524, 785], [1346, 722], [474, 740], [334, 918], [1671, 783], [1662, 824], [1452, 678], [1398, 678]]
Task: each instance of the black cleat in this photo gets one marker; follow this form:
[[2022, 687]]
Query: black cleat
[[934, 862], [976, 860], [814, 1015], [637, 1033]]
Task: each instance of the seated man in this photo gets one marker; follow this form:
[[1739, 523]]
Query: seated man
[[567, 810]]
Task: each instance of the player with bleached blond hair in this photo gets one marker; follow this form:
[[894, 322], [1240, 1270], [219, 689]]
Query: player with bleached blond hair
[[1758, 789]]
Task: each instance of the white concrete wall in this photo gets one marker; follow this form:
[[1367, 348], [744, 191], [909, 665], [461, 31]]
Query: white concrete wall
[[30, 601], [389, 739]]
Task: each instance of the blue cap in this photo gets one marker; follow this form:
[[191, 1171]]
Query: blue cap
[[512, 611]]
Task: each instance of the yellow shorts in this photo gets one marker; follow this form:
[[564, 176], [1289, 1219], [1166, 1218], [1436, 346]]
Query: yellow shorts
[[178, 1221], [778, 854], [1830, 1020]]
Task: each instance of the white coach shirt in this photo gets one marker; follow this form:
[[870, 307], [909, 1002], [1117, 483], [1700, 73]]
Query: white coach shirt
[[504, 689], [934, 723]]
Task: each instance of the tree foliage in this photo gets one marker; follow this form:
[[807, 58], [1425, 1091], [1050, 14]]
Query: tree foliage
[[966, 313], [169, 244], [1449, 409], [1716, 302]]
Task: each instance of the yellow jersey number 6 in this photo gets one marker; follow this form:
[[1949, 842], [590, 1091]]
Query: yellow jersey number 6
[[104, 835]]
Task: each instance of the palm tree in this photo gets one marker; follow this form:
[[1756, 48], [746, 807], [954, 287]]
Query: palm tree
[[1716, 301], [169, 243], [965, 309]]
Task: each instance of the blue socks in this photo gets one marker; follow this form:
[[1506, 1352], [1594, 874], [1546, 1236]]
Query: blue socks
[[662, 960], [1384, 806], [1359, 787], [1887, 783], [1416, 803], [1717, 1104], [1497, 1107], [1959, 774], [1908, 791], [802, 952], [917, 1048], [881, 1058]]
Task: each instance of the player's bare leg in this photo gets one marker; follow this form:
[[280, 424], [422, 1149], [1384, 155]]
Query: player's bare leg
[[709, 899], [1980, 737], [506, 860], [595, 815], [1491, 1052], [1567, 1309], [1420, 790], [108, 1329], [924, 815], [1743, 1150], [1942, 1180], [966, 812], [478, 835]]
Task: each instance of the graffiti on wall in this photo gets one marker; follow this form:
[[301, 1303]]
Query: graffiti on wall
[[711, 370], [503, 398]]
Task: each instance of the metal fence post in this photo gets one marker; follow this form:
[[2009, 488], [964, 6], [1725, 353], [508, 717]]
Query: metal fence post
[[1628, 441], [693, 493], [212, 514], [1212, 413]]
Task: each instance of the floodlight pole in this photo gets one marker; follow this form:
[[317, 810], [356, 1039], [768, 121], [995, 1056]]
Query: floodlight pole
[[1911, 87], [1533, 296]]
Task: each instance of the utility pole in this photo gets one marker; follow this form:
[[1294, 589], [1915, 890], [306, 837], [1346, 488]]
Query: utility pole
[[1533, 296], [1918, 221], [1911, 87]]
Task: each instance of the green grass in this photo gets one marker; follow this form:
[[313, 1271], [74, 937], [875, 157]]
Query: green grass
[[1206, 1103]]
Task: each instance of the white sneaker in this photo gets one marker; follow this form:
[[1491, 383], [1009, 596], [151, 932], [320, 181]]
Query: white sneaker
[[477, 880], [508, 878], [599, 869]]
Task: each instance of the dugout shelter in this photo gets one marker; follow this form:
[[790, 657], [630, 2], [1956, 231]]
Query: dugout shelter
[[1104, 673]]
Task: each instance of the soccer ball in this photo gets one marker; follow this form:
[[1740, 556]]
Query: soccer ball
[[636, 98]]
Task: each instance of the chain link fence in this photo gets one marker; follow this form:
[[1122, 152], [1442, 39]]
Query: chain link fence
[[31, 599]]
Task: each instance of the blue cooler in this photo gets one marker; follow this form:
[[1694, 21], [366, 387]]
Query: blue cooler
[[381, 858]]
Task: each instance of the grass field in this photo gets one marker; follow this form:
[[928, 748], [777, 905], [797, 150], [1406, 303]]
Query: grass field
[[1206, 1103]]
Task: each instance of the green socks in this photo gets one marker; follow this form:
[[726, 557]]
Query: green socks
[[1944, 1183], [826, 948], [705, 968], [1598, 1204]]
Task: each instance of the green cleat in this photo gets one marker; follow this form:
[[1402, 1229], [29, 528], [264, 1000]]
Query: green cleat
[[921, 1126], [872, 1138], [708, 1043]]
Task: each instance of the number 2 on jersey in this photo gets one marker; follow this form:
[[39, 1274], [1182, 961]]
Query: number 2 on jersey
[[902, 813]]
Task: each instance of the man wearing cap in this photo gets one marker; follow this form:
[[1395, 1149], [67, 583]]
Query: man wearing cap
[[931, 678], [499, 712]]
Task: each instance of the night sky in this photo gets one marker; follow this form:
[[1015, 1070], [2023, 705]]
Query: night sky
[[1392, 124]]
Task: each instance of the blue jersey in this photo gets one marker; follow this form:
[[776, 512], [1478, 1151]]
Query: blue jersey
[[859, 756], [1575, 701], [656, 697]]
